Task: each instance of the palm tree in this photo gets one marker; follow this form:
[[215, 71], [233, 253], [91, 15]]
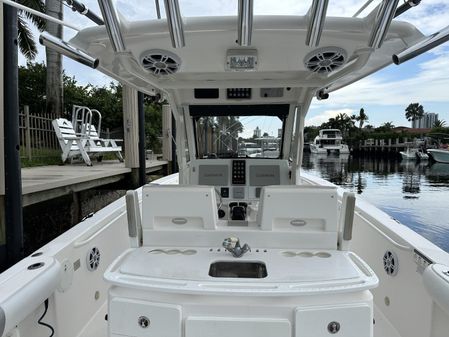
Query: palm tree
[[439, 123], [362, 118], [55, 99], [25, 38], [414, 111]]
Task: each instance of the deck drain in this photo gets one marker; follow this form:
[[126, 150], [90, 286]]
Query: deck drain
[[93, 259], [391, 263]]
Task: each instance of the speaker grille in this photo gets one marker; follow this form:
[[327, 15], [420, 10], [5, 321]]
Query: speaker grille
[[325, 60], [160, 62]]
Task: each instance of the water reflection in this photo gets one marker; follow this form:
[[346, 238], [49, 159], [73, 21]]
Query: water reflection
[[415, 193]]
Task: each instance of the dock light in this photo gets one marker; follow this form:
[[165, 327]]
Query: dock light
[[241, 60], [175, 25], [112, 23], [428, 43], [317, 16], [64, 48], [245, 20], [383, 19]]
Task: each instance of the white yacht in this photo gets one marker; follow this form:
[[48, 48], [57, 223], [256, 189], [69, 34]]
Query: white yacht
[[439, 155], [329, 141], [236, 246]]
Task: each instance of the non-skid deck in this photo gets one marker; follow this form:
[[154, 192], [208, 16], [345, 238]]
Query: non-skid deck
[[47, 182]]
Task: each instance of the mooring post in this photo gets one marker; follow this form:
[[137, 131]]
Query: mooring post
[[13, 181], [131, 132]]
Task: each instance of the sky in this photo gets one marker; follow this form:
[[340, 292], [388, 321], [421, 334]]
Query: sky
[[383, 95]]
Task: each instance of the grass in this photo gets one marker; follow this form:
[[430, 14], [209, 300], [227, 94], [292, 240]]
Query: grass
[[41, 157]]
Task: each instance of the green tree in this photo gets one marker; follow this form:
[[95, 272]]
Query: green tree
[[32, 86], [414, 111], [439, 123], [385, 127], [362, 118], [25, 38]]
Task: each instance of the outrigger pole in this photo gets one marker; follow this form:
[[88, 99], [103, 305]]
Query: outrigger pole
[[84, 10]]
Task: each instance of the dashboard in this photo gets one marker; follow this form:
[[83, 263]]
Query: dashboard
[[239, 179]]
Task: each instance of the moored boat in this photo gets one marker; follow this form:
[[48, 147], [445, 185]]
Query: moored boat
[[329, 141], [439, 155], [236, 245]]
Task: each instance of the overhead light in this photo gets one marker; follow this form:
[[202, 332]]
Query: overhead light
[[175, 25], [316, 22], [382, 23], [241, 60], [65, 48], [245, 19], [112, 23]]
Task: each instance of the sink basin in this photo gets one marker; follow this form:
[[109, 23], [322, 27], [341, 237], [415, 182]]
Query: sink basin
[[236, 269]]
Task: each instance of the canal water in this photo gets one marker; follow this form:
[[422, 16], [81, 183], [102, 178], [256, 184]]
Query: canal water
[[414, 193]]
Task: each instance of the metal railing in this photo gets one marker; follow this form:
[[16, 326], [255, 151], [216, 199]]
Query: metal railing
[[37, 137]]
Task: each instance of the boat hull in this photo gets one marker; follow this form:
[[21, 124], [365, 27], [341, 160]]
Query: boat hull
[[441, 156], [342, 149]]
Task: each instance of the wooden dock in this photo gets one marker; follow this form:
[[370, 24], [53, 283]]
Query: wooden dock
[[48, 182]]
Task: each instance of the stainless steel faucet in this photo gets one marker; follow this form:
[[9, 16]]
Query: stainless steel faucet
[[232, 245]]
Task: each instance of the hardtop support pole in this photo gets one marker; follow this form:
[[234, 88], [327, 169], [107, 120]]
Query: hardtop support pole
[[141, 118], [13, 179], [174, 162]]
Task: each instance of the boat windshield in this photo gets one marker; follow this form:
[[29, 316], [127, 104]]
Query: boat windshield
[[230, 136]]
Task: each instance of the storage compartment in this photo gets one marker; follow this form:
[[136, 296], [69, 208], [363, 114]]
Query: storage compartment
[[238, 269], [341, 321], [236, 327], [129, 317]]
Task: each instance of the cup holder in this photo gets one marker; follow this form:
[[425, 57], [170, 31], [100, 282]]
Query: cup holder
[[173, 251], [322, 255]]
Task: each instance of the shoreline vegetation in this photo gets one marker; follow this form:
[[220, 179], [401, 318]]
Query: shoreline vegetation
[[106, 99], [354, 134]]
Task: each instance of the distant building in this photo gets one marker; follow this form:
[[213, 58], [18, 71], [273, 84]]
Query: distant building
[[427, 121], [257, 132]]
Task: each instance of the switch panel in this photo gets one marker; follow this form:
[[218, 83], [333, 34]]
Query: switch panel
[[239, 93], [238, 172], [224, 192]]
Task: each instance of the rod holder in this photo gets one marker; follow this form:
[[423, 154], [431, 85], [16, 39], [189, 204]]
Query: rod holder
[[112, 23], [175, 24], [65, 48], [385, 15], [316, 22], [419, 48], [245, 22]]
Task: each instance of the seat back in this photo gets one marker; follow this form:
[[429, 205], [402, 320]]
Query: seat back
[[311, 210], [168, 208], [64, 131]]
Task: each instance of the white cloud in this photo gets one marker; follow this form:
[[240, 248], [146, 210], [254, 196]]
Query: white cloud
[[429, 84], [324, 116]]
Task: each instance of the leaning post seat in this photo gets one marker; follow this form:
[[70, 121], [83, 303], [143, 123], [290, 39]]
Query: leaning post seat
[[178, 207], [310, 210]]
